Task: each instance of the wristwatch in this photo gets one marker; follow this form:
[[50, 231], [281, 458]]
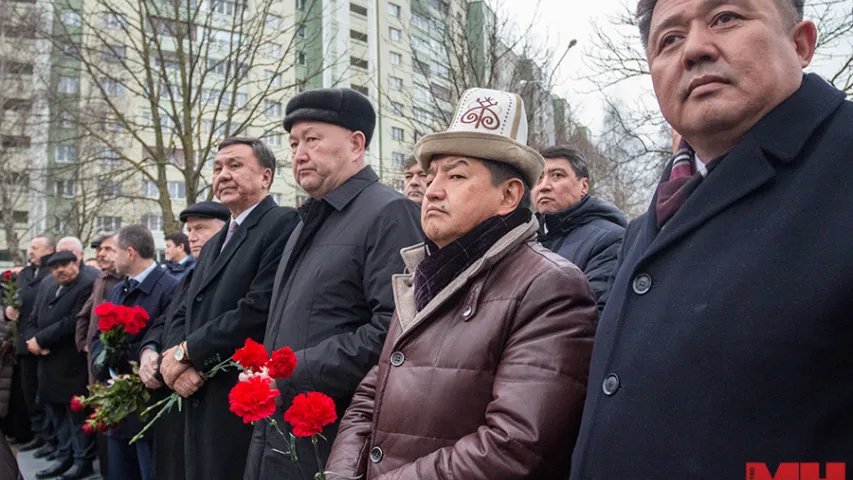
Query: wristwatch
[[181, 354]]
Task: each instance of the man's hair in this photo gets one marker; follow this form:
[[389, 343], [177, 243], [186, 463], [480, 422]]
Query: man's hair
[[49, 239], [178, 238], [263, 153], [409, 163], [137, 237], [78, 245], [502, 172], [573, 155], [792, 10]]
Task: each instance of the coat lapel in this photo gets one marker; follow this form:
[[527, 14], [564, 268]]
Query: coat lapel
[[236, 240], [744, 170], [403, 285]]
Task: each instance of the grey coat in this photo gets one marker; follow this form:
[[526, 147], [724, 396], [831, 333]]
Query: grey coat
[[334, 308]]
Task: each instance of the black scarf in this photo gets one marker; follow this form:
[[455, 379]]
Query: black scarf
[[441, 266]]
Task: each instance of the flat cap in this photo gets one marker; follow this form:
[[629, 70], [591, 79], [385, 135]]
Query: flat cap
[[206, 209], [61, 257], [343, 107]]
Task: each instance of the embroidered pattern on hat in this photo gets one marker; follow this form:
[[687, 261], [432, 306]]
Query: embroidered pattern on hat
[[480, 113]]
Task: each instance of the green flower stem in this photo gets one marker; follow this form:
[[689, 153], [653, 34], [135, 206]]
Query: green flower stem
[[170, 400], [320, 475]]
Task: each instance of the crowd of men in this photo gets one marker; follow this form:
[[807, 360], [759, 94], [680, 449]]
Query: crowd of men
[[460, 334]]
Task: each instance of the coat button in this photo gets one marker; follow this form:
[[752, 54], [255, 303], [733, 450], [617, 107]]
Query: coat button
[[610, 384], [376, 455], [467, 311], [199, 297], [642, 284], [397, 358]]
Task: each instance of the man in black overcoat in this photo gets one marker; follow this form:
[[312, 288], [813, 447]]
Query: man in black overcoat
[[333, 298], [226, 303], [725, 346], [62, 371]]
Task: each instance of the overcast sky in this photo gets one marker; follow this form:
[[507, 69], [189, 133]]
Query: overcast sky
[[559, 21]]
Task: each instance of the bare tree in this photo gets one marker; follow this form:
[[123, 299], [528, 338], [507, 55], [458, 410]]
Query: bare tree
[[153, 86]]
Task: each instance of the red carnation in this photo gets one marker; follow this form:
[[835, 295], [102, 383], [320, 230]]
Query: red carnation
[[88, 428], [253, 399], [7, 275], [252, 356], [77, 404], [310, 413], [282, 364], [103, 427], [105, 309], [106, 323], [135, 319]]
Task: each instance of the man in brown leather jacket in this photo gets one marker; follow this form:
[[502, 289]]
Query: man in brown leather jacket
[[483, 374]]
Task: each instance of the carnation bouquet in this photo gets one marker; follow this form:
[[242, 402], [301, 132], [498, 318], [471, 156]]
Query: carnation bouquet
[[112, 401], [117, 323], [253, 399]]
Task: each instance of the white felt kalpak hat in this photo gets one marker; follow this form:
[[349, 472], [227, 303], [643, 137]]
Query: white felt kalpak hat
[[490, 125]]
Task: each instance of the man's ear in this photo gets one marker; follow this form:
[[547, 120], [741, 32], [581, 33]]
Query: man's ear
[[805, 38], [512, 191], [358, 143]]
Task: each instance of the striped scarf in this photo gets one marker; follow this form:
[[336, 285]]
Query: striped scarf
[[686, 174]]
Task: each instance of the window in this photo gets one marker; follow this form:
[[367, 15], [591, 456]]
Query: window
[[420, 44], [440, 92], [356, 35], [177, 190], [273, 139], [152, 222], [109, 189], [21, 217], [272, 108], [113, 21], [113, 53], [361, 89], [442, 71], [397, 108], [218, 131], [66, 120], [357, 9], [273, 21], [65, 154], [397, 134], [68, 85], [60, 225], [420, 21], [398, 158], [300, 32], [64, 188], [422, 115], [274, 50], [276, 197], [18, 105], [275, 80], [221, 6], [300, 58], [107, 224], [300, 4], [112, 124], [241, 100], [108, 156], [70, 18], [395, 58], [394, 34], [112, 88], [420, 92], [421, 67], [149, 190], [300, 199], [358, 62], [10, 141], [394, 10], [396, 83]]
